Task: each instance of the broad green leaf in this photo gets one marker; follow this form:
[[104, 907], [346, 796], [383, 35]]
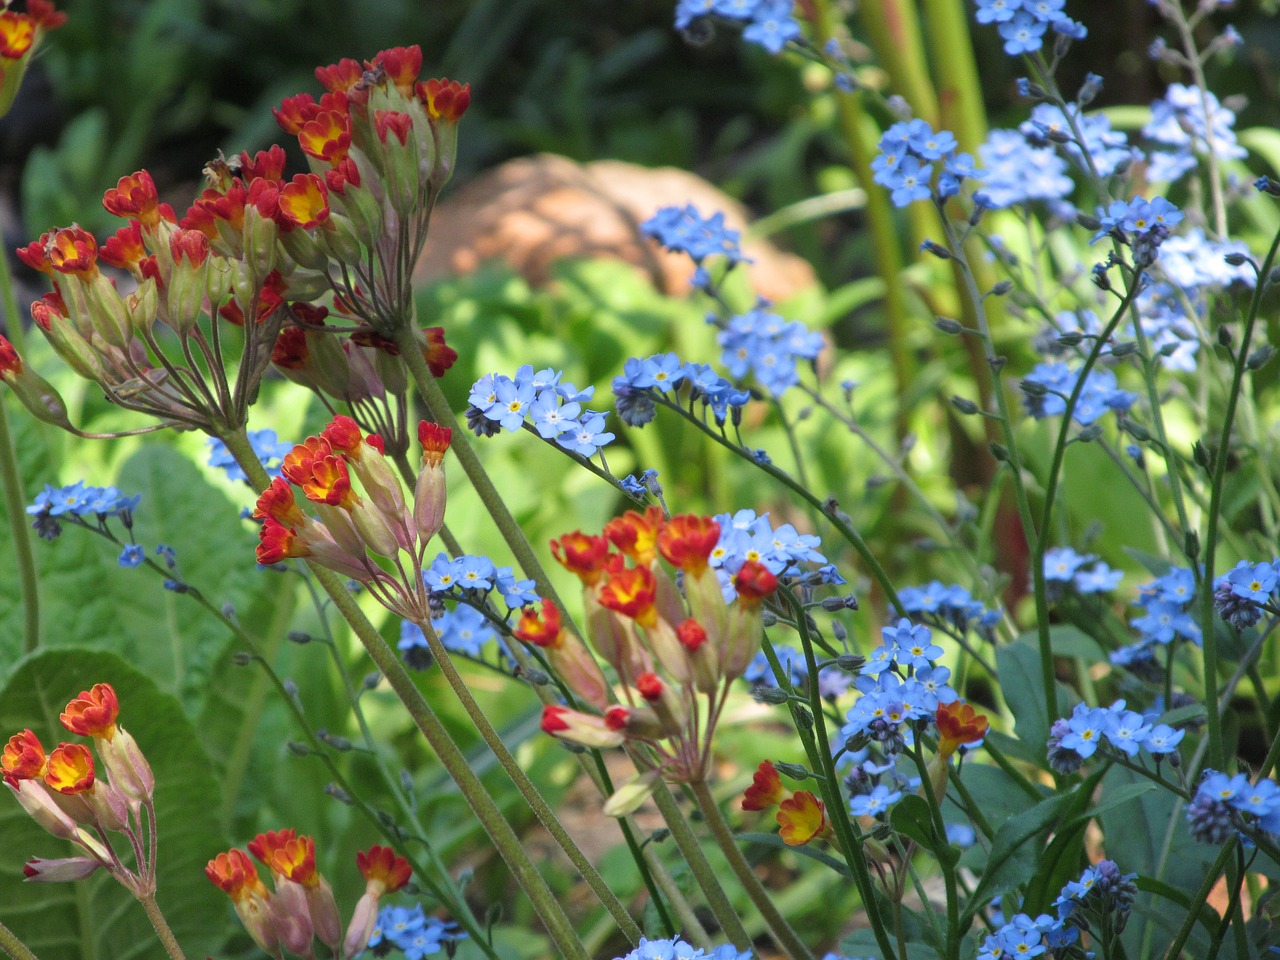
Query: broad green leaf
[[96, 919], [773, 840], [1012, 860], [1022, 684], [911, 818]]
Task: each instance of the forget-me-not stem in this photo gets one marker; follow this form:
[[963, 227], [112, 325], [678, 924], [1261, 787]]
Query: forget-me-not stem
[[510, 848], [1208, 617]]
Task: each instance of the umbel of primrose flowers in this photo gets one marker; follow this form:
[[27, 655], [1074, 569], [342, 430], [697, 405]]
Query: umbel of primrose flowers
[[361, 512], [300, 907], [73, 798], [675, 653]]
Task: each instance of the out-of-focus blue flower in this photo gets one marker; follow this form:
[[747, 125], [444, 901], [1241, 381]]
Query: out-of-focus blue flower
[[131, 556], [266, 447]]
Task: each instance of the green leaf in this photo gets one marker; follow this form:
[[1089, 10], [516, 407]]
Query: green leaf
[[862, 944], [773, 840], [1070, 641], [911, 818], [1012, 860], [96, 919], [1022, 683]]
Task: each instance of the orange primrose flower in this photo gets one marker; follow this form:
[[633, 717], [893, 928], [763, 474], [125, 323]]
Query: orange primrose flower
[[636, 535], [277, 542], [296, 859], [23, 758], [331, 483], [70, 769], [234, 873], [304, 201], [382, 870], [802, 817], [766, 788], [754, 582], [434, 440], [959, 724], [687, 541], [300, 461], [691, 634], [582, 554], [264, 165], [124, 250], [265, 845], [402, 66], [17, 34], [10, 362], [277, 502], [395, 122], [340, 76], [74, 251], [444, 99], [631, 592], [326, 137], [541, 630], [438, 354], [93, 713], [134, 196]]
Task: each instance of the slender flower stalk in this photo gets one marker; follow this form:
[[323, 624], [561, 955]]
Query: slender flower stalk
[[15, 510], [11, 944]]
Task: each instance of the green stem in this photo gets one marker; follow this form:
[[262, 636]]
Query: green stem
[[1201, 896], [705, 875], [1213, 730], [158, 921], [509, 847], [11, 944], [783, 934], [537, 804], [15, 506]]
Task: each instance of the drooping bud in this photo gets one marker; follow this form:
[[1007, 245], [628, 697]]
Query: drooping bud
[[33, 391], [63, 870], [430, 494], [580, 728], [766, 788]]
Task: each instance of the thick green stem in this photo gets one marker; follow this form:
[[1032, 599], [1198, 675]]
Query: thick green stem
[[158, 921], [509, 847], [546, 816], [15, 506], [705, 875], [11, 944], [783, 934]]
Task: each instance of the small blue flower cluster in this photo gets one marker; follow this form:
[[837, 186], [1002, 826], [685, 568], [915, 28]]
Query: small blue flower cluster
[[1240, 594], [1165, 601], [684, 230], [1018, 173], [411, 931], [554, 409], [766, 23], [951, 605], [475, 577], [1143, 224], [1074, 739], [1023, 23], [1101, 890], [1223, 804], [266, 447], [1063, 566], [1046, 388], [1106, 148], [677, 949], [899, 684], [833, 682], [665, 373], [462, 629], [908, 150], [766, 346], [1178, 122], [79, 500], [745, 536]]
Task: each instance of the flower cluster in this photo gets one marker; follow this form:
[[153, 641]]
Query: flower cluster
[[300, 908], [833, 682], [1074, 739], [908, 150], [1023, 23], [685, 230], [744, 536], [677, 949], [1046, 389], [1018, 173], [1101, 898], [669, 651], [413, 933], [767, 347], [1142, 224], [1223, 804], [1166, 617], [540, 401], [266, 447], [1240, 595], [1063, 568], [462, 629], [951, 606], [801, 816], [766, 23], [1081, 135], [642, 381], [20, 36], [350, 526], [1178, 124], [75, 799]]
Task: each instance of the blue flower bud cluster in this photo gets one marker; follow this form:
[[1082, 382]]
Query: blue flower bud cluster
[[539, 399], [665, 373], [1023, 23], [766, 23], [1240, 594], [1074, 739], [1222, 804], [410, 931], [904, 166]]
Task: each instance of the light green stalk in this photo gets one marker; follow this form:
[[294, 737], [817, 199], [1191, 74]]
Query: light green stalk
[[11, 944]]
